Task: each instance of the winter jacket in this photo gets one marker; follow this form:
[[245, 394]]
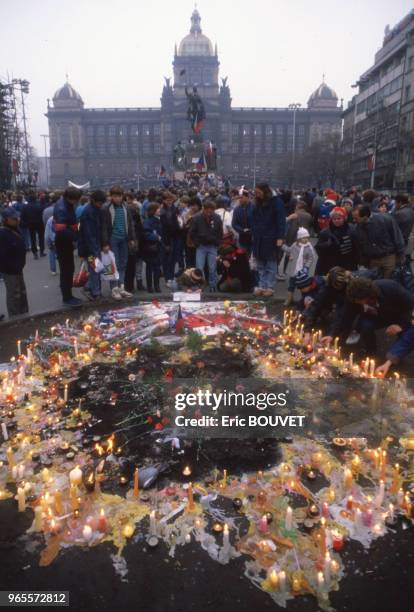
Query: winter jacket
[[12, 251], [395, 304], [239, 269], [336, 246], [152, 244], [50, 233], [242, 220], [32, 213], [64, 217], [404, 217], [108, 216], [379, 236], [171, 228], [293, 252], [90, 232], [268, 226], [206, 232], [402, 346]]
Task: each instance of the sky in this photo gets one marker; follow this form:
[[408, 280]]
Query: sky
[[116, 52]]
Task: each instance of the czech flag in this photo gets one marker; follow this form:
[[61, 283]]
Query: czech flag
[[201, 164]]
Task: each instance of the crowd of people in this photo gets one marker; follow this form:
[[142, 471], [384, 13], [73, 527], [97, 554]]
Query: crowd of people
[[346, 256]]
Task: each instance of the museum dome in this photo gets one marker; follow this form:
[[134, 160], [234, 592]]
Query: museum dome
[[67, 92], [195, 43], [323, 96]]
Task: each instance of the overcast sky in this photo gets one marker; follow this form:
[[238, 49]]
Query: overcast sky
[[117, 52]]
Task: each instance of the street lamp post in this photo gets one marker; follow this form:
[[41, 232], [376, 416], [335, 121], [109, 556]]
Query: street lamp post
[[45, 137], [294, 107], [372, 152]]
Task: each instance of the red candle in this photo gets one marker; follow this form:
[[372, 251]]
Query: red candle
[[349, 502], [102, 522]]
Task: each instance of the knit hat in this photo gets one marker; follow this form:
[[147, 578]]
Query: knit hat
[[302, 233], [339, 211], [302, 279], [10, 213], [331, 194], [329, 203]]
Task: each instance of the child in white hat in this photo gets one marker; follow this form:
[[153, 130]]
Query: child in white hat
[[300, 255]]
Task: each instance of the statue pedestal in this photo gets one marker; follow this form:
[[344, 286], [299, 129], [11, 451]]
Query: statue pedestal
[[193, 154]]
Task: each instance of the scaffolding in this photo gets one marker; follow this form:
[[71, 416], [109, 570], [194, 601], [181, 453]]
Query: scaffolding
[[15, 152]]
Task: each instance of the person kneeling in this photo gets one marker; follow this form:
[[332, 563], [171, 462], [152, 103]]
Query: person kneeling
[[233, 265], [191, 280]]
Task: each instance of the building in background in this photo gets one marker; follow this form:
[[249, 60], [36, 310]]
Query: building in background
[[378, 122], [107, 145]]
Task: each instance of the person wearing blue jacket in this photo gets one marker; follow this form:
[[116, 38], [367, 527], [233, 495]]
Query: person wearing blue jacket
[[152, 247], [89, 241], [242, 220], [268, 232], [66, 230], [12, 262]]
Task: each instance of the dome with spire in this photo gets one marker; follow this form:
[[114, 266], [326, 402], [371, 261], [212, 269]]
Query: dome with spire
[[195, 43], [67, 95], [323, 97]]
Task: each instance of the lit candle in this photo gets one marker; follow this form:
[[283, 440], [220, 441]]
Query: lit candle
[[75, 476], [153, 524], [20, 471], [136, 480], [21, 499], [226, 538], [327, 567], [4, 431], [336, 344], [391, 515], [187, 471], [224, 478], [273, 579], [321, 581], [129, 530], [282, 581], [38, 520], [349, 502], [331, 495], [73, 498], [263, 525], [19, 347], [351, 360], [289, 518], [190, 496], [10, 456], [58, 502], [87, 532], [380, 495], [102, 522], [356, 464], [45, 475], [371, 367], [347, 478], [383, 463], [65, 395]]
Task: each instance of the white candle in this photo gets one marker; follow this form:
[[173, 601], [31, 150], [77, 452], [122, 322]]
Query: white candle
[[38, 520], [351, 360], [20, 471], [371, 367], [226, 538], [282, 581], [327, 567], [380, 495], [153, 524], [19, 347], [358, 519], [65, 396], [14, 472], [37, 337], [75, 476], [289, 518], [75, 346], [45, 475], [4, 431], [21, 499], [321, 581], [87, 532], [29, 356]]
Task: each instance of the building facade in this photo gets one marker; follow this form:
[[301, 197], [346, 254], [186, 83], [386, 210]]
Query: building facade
[[107, 145], [379, 120]]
